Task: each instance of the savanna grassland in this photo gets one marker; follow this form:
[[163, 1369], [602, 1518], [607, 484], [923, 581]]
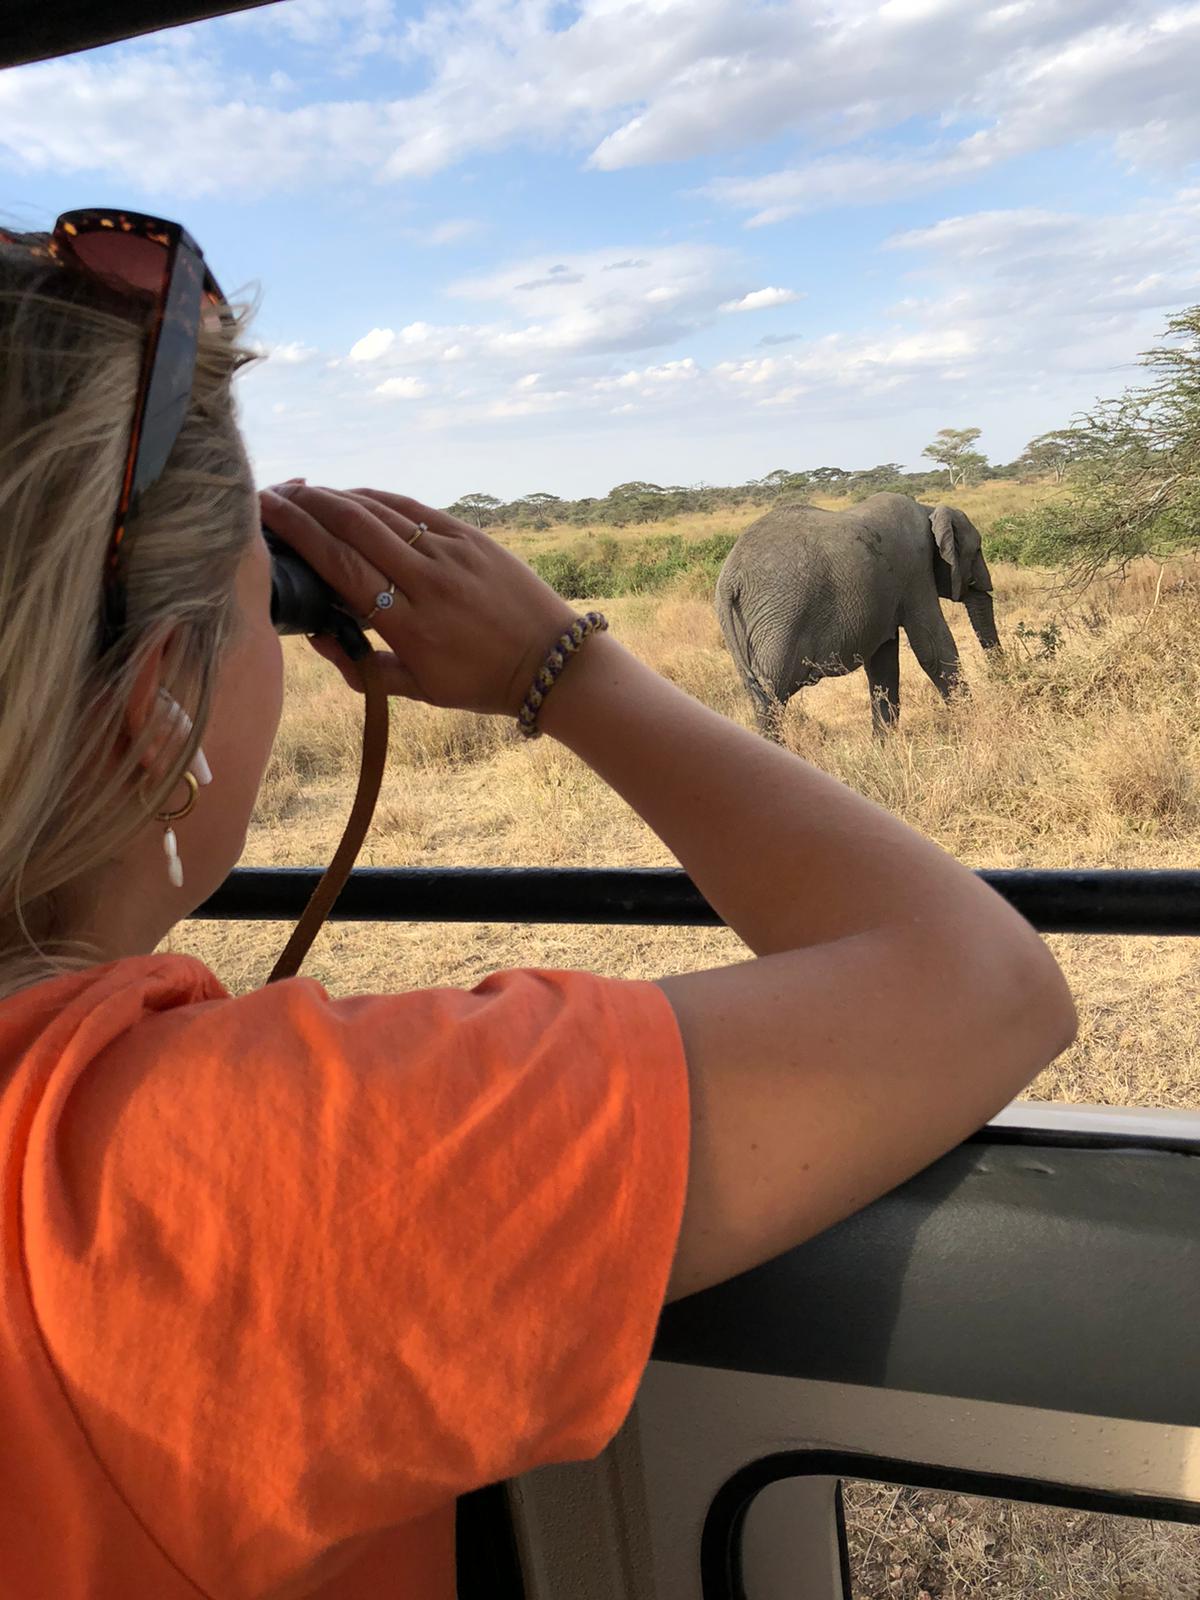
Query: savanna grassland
[[1081, 748]]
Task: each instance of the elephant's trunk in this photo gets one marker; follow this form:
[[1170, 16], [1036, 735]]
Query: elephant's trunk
[[983, 617]]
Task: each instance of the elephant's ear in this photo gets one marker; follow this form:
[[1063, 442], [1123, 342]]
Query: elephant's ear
[[941, 521]]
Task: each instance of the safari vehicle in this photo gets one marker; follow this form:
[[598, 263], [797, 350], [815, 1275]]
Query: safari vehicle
[[1020, 1321]]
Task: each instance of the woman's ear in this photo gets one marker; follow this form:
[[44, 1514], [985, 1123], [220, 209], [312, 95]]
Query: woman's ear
[[941, 522], [152, 715]]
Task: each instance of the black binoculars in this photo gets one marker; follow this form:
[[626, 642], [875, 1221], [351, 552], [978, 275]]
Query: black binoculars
[[301, 602]]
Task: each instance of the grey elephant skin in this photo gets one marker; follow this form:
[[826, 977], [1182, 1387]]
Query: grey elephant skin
[[807, 594]]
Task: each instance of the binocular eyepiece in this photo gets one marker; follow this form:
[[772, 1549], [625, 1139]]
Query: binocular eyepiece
[[301, 602]]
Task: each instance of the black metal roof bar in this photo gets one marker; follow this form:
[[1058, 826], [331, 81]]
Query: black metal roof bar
[[31, 30], [1166, 902]]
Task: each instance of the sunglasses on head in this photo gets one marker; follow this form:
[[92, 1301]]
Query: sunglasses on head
[[159, 262]]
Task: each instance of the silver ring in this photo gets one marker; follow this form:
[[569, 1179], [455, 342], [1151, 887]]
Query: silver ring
[[384, 601]]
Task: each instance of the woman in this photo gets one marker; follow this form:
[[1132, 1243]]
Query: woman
[[285, 1275]]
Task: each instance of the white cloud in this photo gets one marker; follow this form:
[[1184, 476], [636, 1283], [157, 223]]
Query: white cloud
[[761, 300], [187, 124], [828, 181], [1000, 308], [372, 345], [633, 85], [529, 404], [292, 354], [647, 378], [402, 388], [361, 26], [1006, 319], [580, 303], [1124, 72], [1079, 285]]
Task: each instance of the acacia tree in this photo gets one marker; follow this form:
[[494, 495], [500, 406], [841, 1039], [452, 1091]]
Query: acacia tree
[[636, 501], [1136, 490], [952, 450], [477, 508], [783, 481], [541, 509], [876, 477], [1054, 452]]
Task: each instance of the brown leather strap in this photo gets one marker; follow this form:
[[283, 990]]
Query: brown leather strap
[[370, 777]]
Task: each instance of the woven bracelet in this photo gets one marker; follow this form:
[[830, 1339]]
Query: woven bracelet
[[560, 653]]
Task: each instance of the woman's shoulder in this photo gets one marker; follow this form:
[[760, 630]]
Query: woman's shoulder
[[162, 976], [172, 1007]]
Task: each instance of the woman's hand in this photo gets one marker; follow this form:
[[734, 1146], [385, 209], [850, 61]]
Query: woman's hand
[[470, 623]]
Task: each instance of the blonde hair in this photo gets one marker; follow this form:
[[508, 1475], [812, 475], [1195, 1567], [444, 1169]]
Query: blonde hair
[[70, 796]]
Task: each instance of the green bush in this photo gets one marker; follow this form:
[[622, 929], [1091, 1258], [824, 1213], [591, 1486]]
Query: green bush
[[639, 566], [1039, 537], [563, 571]]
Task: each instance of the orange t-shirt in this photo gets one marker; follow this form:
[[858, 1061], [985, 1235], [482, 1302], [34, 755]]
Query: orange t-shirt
[[285, 1275]]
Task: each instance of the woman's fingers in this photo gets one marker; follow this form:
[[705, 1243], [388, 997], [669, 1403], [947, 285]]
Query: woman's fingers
[[347, 574], [470, 620], [350, 544], [415, 512], [411, 532]]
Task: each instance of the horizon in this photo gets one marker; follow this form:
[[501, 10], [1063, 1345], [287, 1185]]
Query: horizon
[[514, 246]]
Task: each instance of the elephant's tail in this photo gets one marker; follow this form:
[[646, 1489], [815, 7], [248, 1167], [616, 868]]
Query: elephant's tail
[[733, 623]]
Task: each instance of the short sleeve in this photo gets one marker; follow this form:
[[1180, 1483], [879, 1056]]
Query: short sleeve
[[331, 1263]]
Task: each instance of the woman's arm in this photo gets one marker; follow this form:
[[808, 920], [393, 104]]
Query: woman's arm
[[898, 1002]]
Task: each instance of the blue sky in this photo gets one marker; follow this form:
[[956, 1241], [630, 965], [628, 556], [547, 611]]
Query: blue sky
[[515, 246]]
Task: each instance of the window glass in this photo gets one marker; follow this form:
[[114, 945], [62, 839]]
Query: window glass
[[927, 1544], [604, 281]]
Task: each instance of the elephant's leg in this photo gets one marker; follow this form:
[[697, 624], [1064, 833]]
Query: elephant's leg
[[768, 707], [934, 647], [883, 675], [769, 715]]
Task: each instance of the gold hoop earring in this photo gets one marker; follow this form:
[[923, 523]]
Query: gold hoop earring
[[170, 843], [193, 790]]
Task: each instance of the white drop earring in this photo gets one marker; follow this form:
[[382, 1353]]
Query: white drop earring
[[170, 843], [177, 717], [174, 865]]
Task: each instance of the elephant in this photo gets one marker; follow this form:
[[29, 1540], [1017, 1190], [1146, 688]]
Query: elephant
[[807, 594]]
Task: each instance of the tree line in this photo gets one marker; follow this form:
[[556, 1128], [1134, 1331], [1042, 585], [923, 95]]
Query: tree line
[[1126, 471], [639, 502]]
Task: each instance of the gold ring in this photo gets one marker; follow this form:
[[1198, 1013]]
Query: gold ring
[[193, 784], [421, 528]]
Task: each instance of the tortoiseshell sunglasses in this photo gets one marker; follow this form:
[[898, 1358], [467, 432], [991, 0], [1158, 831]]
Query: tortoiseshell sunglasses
[[159, 262]]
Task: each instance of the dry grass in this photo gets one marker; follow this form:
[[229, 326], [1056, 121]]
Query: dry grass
[[1089, 756], [922, 1544]]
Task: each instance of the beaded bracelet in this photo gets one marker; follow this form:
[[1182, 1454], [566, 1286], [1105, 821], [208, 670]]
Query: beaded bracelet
[[560, 653]]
